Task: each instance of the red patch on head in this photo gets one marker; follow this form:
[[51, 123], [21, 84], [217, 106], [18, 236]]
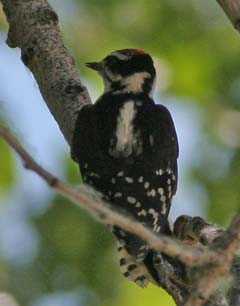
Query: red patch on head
[[139, 51]]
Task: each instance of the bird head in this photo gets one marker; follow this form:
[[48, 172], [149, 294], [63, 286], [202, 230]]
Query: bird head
[[126, 71]]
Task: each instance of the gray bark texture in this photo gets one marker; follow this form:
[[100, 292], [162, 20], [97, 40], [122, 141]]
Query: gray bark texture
[[33, 27], [232, 10]]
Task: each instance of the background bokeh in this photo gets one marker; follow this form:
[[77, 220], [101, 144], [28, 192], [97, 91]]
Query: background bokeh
[[51, 252]]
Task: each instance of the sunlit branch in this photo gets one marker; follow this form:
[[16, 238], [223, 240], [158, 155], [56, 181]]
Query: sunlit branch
[[215, 261], [33, 27], [91, 201]]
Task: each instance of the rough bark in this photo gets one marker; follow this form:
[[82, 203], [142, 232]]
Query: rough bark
[[33, 27], [234, 291], [232, 10]]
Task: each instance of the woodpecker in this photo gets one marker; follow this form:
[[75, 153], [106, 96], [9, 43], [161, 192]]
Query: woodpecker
[[127, 149]]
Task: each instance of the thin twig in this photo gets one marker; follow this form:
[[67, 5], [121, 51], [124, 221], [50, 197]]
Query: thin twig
[[34, 28], [91, 201]]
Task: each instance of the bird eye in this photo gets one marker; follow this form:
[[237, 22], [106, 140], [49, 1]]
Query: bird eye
[[111, 62]]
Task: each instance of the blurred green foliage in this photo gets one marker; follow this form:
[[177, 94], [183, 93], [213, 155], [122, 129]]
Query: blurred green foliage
[[6, 167], [197, 55], [71, 241]]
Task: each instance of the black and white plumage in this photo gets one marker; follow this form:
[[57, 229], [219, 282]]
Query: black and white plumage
[[126, 147]]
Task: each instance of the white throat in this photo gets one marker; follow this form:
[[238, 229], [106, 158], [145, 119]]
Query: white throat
[[134, 82], [130, 84]]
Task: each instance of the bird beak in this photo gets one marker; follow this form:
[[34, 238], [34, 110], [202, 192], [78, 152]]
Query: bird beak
[[95, 66]]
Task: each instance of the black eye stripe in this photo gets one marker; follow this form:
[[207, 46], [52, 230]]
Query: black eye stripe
[[114, 64]]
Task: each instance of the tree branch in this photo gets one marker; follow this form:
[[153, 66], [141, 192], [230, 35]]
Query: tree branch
[[91, 200], [208, 277], [232, 10], [7, 300], [234, 291], [33, 27], [44, 53], [213, 263]]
